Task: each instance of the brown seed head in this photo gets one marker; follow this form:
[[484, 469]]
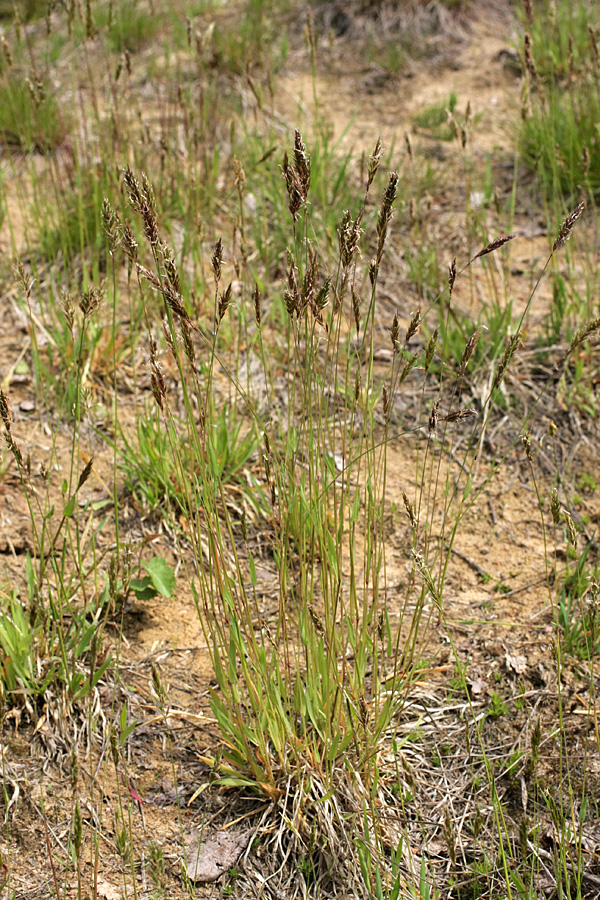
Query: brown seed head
[[567, 227], [291, 295], [302, 164], [555, 506], [293, 187], [6, 413], [494, 245], [356, 303], [349, 232], [430, 352], [111, 225], [134, 189], [385, 213], [452, 275], [408, 367], [458, 414], [395, 333], [217, 260], [433, 419], [239, 175], [130, 245], [322, 298], [374, 160], [85, 474], [90, 300], [373, 270], [572, 533], [526, 441], [170, 267], [413, 326], [410, 512], [507, 356], [186, 339], [66, 303], [157, 380], [468, 352], [257, 313], [224, 303]]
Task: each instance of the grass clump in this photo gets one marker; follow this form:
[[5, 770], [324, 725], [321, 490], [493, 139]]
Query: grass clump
[[561, 109], [30, 117]]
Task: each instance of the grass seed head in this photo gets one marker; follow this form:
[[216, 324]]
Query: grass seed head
[[68, 311], [291, 295], [385, 213], [85, 474], [555, 506], [217, 260], [129, 244], [408, 367], [494, 245], [349, 232], [293, 187], [188, 344], [468, 352], [459, 414], [6, 413], [374, 161], [90, 300], [567, 227], [526, 441], [509, 352], [410, 512], [157, 381], [224, 303], [413, 326], [111, 225], [452, 275], [171, 268], [322, 298], [433, 419], [430, 352], [257, 312], [572, 533], [302, 164], [6, 52], [583, 333], [395, 333], [530, 65], [356, 303]]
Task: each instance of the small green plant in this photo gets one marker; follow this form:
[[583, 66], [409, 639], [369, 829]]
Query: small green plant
[[159, 580], [433, 120], [157, 477], [156, 864], [497, 707], [579, 621]]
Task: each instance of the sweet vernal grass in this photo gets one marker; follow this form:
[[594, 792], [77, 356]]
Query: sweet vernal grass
[[310, 684]]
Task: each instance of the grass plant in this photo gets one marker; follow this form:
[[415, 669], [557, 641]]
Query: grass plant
[[233, 428]]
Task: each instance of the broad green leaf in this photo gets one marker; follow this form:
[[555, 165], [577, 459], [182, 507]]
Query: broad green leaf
[[162, 576]]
